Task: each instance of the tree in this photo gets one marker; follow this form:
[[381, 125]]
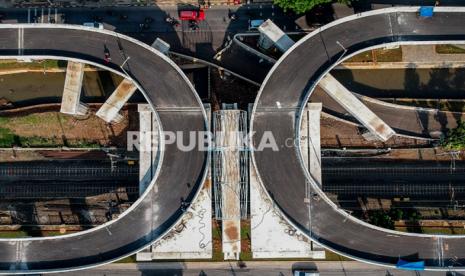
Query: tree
[[301, 6], [454, 138]]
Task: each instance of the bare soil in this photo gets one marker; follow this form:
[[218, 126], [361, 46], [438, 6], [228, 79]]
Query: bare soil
[[66, 130]]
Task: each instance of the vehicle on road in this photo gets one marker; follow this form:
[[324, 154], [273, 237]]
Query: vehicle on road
[[193, 25], [197, 15], [96, 25], [305, 269], [107, 57], [173, 21], [305, 273], [255, 23]]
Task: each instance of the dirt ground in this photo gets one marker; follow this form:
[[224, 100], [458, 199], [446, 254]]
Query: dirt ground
[[49, 125], [337, 134]]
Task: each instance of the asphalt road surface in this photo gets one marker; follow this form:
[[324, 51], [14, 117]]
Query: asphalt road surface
[[212, 34], [282, 172], [269, 268], [181, 173]]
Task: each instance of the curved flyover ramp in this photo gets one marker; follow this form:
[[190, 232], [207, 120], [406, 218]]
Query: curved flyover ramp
[[279, 107], [179, 173]]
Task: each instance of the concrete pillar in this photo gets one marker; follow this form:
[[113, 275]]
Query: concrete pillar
[[230, 188], [314, 143], [70, 102], [274, 34], [148, 146], [356, 108], [110, 109], [336, 90]]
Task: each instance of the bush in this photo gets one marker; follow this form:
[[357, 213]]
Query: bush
[[301, 6], [454, 138]]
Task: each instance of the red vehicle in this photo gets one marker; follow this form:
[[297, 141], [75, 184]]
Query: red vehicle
[[196, 15]]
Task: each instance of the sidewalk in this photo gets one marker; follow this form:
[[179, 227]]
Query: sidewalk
[[413, 56]]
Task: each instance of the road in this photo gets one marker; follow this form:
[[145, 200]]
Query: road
[[269, 268], [202, 43], [178, 109], [280, 112]]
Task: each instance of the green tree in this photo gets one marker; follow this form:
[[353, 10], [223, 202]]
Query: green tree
[[454, 138], [301, 6]]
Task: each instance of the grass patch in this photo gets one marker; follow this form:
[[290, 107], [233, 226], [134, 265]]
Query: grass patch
[[362, 57], [449, 49], [127, 260], [43, 64], [331, 256], [378, 55], [4, 120], [7, 138], [433, 230], [217, 246], [246, 250], [13, 234]]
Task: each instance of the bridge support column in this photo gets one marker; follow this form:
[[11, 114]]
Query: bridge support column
[[191, 238], [70, 102], [148, 146], [356, 108], [311, 149], [109, 111], [271, 34]]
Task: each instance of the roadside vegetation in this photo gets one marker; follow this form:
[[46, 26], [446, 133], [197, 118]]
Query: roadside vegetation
[[301, 6], [378, 55], [449, 49], [454, 138], [43, 64], [35, 130]]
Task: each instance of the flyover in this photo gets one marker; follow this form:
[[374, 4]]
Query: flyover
[[179, 173], [279, 107]]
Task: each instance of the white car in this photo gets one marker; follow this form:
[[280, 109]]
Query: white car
[[306, 273], [93, 25]]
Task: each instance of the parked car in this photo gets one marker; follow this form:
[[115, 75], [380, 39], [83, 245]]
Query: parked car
[[306, 272], [93, 25], [305, 269], [255, 23], [196, 15]]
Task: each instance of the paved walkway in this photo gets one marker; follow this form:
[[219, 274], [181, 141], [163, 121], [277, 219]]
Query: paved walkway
[[428, 54]]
